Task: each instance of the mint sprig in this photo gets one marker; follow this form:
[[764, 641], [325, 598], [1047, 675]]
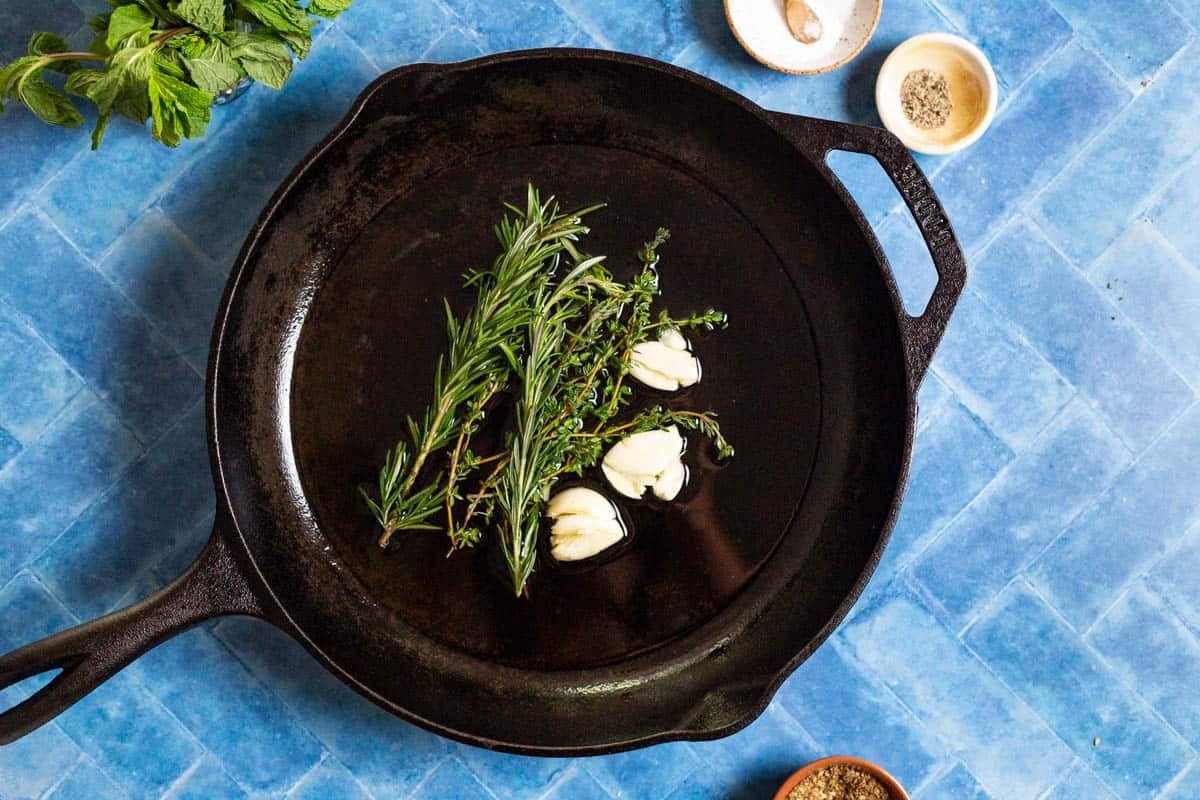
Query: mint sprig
[[164, 61]]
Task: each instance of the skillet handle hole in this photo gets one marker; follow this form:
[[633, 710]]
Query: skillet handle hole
[[25, 688], [906, 251]]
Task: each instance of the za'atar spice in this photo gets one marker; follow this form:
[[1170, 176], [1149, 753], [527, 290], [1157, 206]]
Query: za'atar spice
[[925, 98], [839, 782]]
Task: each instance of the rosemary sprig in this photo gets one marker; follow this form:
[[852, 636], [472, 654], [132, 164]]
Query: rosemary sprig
[[478, 363], [534, 459]]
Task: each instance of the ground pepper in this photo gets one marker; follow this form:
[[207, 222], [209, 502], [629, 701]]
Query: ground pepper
[[925, 98], [839, 782]]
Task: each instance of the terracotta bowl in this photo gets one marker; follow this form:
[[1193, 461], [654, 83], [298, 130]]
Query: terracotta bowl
[[891, 784]]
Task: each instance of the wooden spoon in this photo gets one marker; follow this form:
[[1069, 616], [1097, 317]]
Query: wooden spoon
[[805, 24]]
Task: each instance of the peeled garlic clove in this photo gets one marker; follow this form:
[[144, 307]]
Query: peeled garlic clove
[[672, 338], [574, 525], [646, 453], [579, 500], [670, 482], [666, 363], [585, 545], [648, 377], [632, 486]]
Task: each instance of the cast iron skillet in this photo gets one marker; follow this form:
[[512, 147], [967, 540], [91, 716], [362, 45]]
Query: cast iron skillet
[[327, 334]]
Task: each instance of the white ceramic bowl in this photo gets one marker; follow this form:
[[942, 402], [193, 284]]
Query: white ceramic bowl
[[973, 91], [761, 27]]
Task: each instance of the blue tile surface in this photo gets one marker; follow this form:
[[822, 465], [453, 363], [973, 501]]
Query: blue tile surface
[[170, 281], [1093, 200], [999, 375], [87, 780], [1080, 782], [1022, 511], [1035, 652], [1174, 579], [578, 786], [117, 724], [1154, 652], [82, 453], [35, 384], [9, 447], [326, 780], [206, 780], [1129, 528], [1159, 290], [33, 765], [240, 721], [1005, 745], [86, 320], [1081, 334], [841, 705], [1105, 25], [452, 779], [1017, 36], [1027, 146], [142, 519], [957, 784], [1186, 787], [1040, 586], [1173, 211]]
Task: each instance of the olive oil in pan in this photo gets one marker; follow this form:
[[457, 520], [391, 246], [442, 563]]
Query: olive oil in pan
[[685, 560]]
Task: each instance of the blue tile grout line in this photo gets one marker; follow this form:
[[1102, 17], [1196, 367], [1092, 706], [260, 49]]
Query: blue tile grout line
[[1051, 466]]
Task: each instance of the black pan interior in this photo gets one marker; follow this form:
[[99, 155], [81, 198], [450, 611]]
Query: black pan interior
[[329, 339], [366, 359]]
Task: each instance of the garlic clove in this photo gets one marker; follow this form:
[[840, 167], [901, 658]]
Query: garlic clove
[[574, 525], [655, 380], [672, 338], [581, 546], [646, 453], [670, 482], [579, 500], [632, 486], [656, 364]]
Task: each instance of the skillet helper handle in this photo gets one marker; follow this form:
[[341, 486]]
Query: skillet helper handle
[[93, 652], [921, 334]]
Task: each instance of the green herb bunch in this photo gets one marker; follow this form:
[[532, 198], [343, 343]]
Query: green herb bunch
[[563, 344], [478, 363], [164, 60]]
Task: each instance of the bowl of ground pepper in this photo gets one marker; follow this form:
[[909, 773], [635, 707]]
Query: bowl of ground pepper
[[937, 92], [841, 778]]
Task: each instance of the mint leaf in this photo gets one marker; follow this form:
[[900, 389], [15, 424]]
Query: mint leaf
[[98, 131], [300, 43], [328, 8], [207, 15], [211, 76], [47, 103], [160, 10], [10, 74], [41, 44], [125, 22], [180, 110], [285, 16], [124, 87], [81, 82], [263, 55], [99, 23]]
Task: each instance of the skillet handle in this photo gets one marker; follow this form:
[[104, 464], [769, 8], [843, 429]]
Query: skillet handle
[[91, 653], [818, 138]]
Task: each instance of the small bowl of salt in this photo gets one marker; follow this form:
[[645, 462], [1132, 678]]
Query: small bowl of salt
[[762, 28], [937, 92]]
